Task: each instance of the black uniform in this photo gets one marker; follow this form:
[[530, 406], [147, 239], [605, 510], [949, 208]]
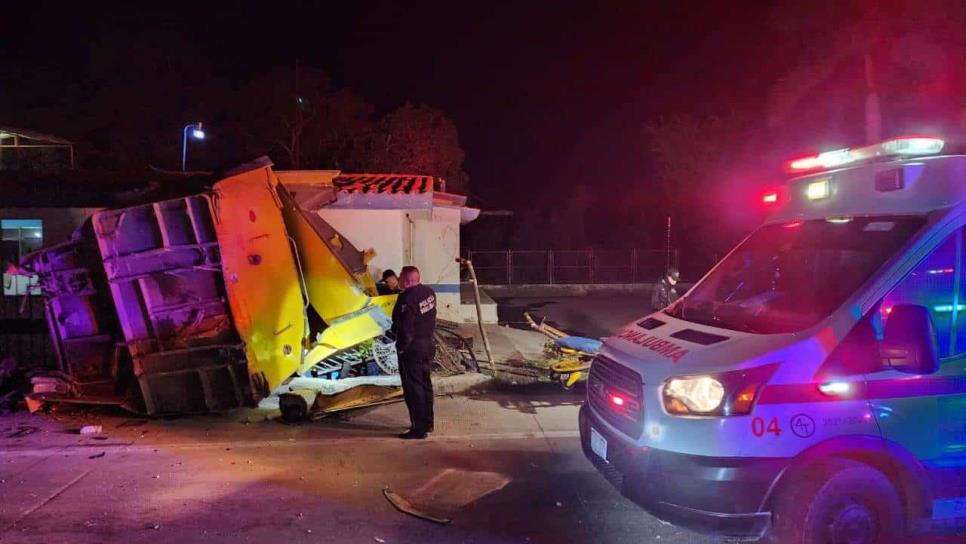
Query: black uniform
[[664, 294], [413, 322]]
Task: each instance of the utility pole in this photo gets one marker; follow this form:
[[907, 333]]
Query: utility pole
[[667, 247], [297, 127]]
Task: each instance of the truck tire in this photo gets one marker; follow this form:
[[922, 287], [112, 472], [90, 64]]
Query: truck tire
[[838, 502]]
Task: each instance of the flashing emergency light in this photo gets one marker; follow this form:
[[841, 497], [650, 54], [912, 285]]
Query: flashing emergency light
[[913, 145], [818, 190], [770, 198], [902, 146], [835, 388], [617, 401]]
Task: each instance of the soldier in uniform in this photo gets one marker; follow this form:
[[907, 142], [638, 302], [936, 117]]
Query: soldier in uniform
[[413, 323]]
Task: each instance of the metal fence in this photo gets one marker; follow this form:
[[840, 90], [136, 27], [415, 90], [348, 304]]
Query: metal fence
[[517, 267]]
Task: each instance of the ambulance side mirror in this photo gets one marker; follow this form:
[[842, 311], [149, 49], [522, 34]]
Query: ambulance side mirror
[[909, 343]]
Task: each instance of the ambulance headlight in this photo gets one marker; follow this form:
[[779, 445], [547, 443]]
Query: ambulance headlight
[[693, 395]]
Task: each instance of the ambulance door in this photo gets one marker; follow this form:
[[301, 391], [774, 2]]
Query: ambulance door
[[927, 413]]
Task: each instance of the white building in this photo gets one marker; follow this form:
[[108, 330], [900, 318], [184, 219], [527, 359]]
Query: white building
[[406, 219]]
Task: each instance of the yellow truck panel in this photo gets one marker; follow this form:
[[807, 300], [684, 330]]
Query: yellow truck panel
[[261, 275]]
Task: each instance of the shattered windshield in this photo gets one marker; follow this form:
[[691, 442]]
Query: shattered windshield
[[788, 277]]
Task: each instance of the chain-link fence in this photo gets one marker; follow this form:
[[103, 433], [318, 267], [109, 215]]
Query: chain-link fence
[[518, 267]]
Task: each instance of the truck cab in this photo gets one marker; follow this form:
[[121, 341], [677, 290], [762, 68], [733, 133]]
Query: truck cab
[[811, 388]]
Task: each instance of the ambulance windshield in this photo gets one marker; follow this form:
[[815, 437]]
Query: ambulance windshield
[[788, 277]]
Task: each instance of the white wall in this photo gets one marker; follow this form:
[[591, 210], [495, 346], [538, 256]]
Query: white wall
[[381, 230], [427, 238], [436, 246]]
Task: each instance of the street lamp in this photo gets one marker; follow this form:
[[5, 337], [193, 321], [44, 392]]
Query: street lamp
[[198, 133]]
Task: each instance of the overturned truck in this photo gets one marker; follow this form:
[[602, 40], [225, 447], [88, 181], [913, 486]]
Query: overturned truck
[[205, 302]]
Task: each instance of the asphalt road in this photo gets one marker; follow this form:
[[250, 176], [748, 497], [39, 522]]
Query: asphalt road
[[504, 467]]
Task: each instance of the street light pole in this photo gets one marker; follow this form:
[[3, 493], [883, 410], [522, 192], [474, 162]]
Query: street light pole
[[197, 133]]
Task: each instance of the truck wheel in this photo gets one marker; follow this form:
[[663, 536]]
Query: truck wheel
[[838, 502]]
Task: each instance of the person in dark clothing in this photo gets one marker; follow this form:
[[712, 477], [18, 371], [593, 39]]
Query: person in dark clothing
[[665, 290], [413, 323], [389, 285]]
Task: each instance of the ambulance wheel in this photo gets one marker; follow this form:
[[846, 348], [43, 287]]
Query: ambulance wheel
[[838, 502]]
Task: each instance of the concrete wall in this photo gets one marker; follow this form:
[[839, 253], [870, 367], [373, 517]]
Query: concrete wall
[[436, 245], [381, 230], [427, 238]]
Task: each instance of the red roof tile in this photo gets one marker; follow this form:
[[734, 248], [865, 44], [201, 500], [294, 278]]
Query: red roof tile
[[385, 183]]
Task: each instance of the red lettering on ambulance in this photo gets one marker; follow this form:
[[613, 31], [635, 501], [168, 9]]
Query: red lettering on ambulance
[[663, 347]]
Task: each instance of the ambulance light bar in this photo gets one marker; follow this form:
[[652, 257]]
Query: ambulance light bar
[[904, 146]]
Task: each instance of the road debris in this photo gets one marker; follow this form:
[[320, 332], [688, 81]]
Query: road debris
[[405, 507], [23, 430], [91, 429], [97, 455], [132, 423]]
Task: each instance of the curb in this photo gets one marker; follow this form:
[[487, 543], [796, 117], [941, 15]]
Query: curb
[[459, 383]]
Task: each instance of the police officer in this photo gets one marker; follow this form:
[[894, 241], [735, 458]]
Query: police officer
[[413, 323], [665, 290]]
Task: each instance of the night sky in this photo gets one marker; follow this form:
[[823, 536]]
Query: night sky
[[544, 94]]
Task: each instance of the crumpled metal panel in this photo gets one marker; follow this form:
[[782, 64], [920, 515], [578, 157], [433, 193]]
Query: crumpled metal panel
[[333, 268], [81, 318], [337, 285], [163, 265], [263, 286]]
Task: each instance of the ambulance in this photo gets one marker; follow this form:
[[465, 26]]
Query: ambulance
[[811, 388]]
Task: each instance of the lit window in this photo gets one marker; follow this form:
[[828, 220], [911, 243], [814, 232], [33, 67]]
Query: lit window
[[20, 237]]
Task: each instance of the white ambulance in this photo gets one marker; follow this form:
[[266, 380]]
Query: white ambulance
[[811, 388]]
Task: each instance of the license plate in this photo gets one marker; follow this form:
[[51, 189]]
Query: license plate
[[598, 444]]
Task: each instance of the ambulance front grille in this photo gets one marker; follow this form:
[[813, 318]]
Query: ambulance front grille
[[607, 380]]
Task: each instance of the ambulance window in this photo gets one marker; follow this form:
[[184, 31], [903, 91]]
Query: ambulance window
[[787, 277], [933, 284]]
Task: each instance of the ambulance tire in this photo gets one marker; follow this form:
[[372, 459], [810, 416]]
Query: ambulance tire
[[838, 501]]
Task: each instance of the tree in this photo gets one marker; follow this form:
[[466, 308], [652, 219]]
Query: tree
[[417, 139], [299, 119]]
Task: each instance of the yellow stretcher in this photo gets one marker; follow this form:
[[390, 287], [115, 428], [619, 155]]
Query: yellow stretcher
[[574, 362]]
